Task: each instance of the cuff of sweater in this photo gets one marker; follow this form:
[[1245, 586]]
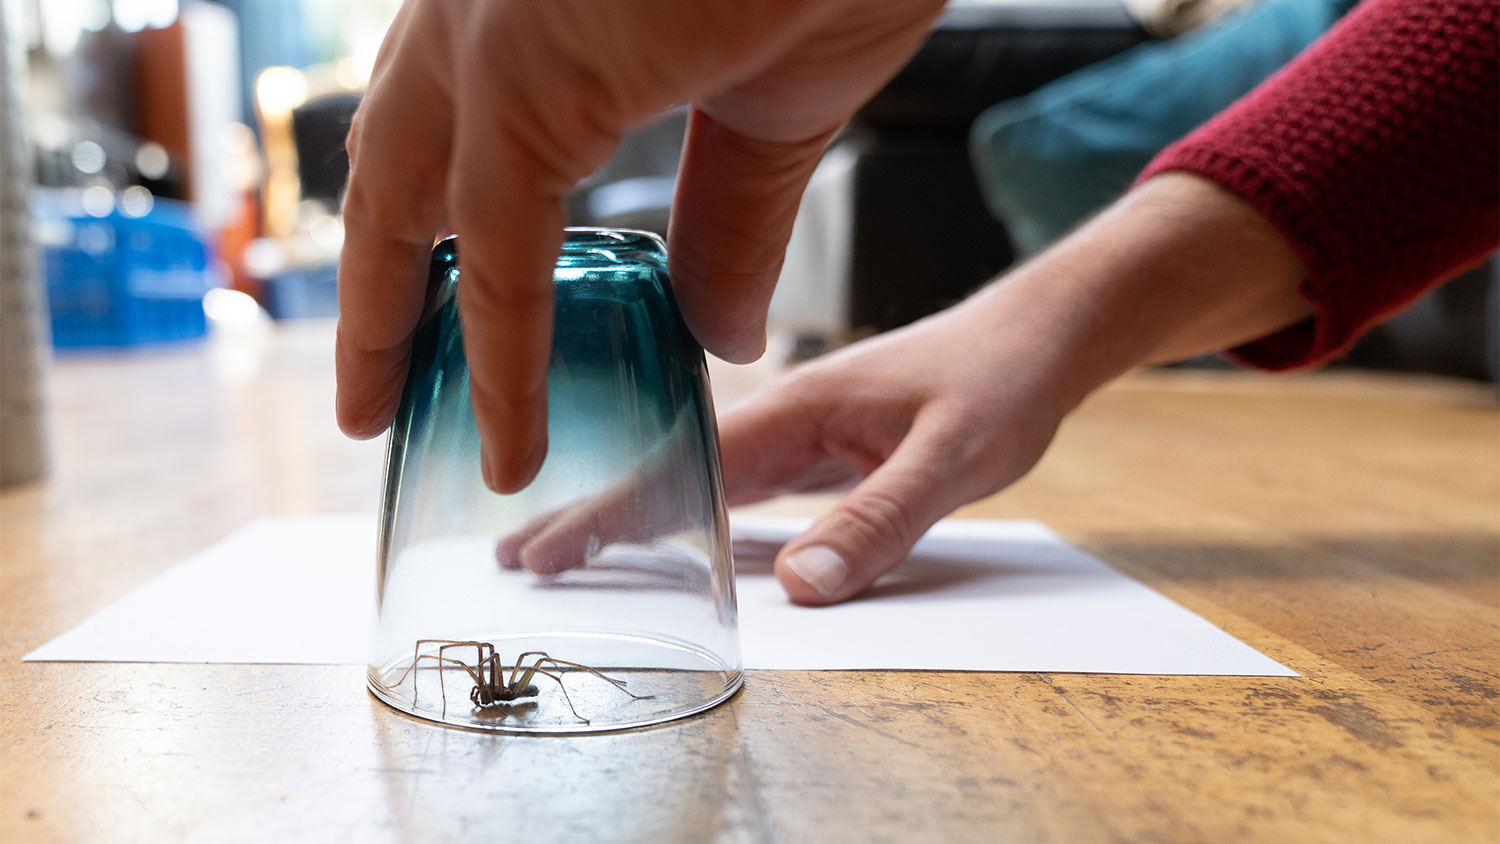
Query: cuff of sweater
[[1333, 328]]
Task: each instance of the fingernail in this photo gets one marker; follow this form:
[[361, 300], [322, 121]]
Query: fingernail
[[819, 567]]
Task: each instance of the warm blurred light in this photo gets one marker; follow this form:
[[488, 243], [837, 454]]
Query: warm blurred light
[[278, 90], [98, 201], [241, 157], [349, 74], [88, 157], [136, 15], [136, 201], [152, 160]]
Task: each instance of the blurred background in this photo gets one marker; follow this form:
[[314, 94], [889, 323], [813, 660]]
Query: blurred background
[[186, 148], [175, 167]]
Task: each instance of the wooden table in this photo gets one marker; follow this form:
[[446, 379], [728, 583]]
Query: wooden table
[[1346, 525]]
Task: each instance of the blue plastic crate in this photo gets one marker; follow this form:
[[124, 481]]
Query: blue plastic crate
[[302, 292], [125, 281]]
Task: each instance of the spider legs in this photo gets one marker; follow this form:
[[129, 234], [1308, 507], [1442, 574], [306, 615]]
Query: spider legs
[[492, 686]]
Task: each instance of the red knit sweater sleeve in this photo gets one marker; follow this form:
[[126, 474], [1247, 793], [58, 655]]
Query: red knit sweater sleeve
[[1376, 153]]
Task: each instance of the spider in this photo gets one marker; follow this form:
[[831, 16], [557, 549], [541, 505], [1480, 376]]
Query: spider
[[491, 688]]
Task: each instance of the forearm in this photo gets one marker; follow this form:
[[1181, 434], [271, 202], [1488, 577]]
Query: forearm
[[1355, 179], [1177, 267], [1374, 154]]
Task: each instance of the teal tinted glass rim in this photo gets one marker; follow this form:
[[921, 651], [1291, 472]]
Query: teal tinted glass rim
[[625, 246], [583, 247]]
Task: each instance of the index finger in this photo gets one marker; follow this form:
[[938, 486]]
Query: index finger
[[507, 207], [393, 207]]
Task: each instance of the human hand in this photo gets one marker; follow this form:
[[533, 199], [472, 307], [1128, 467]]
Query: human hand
[[482, 116], [961, 405], [919, 422], [955, 407]]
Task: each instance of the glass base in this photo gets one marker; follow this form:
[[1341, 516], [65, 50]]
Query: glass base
[[583, 682]]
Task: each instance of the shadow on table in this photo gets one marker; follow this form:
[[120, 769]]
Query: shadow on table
[[1466, 564], [1018, 569]]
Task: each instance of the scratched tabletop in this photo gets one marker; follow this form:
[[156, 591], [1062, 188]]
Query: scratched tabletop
[[1345, 525]]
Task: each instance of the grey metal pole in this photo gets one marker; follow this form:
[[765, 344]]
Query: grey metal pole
[[24, 342]]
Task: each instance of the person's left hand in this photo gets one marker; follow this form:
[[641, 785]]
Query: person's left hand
[[958, 406], [919, 421]]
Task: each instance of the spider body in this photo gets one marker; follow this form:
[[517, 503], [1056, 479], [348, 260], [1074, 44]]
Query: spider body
[[492, 688], [486, 696]]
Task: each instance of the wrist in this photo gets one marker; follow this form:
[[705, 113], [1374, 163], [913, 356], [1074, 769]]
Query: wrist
[[1178, 267]]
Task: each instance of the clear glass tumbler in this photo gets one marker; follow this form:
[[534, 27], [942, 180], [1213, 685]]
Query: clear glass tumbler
[[600, 597]]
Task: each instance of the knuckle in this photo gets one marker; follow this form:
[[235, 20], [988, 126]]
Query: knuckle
[[963, 430], [352, 141], [379, 210], [964, 441], [880, 518], [559, 94], [373, 203], [466, 205], [995, 447], [361, 205]]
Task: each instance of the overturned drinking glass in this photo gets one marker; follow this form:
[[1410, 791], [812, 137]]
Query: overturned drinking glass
[[601, 596]]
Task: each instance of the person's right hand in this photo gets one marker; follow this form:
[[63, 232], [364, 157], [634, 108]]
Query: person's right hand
[[482, 116]]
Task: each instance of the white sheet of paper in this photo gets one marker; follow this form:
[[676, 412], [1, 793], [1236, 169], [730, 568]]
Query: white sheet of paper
[[973, 596]]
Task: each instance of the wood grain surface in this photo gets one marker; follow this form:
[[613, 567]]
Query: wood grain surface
[[1345, 525]]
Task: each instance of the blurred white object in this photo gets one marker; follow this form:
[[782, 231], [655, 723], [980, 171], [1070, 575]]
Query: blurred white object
[[136, 201], [189, 81], [88, 157], [1170, 18], [212, 35], [241, 335], [98, 201], [136, 15], [23, 326], [152, 160], [265, 257], [812, 295], [231, 309]]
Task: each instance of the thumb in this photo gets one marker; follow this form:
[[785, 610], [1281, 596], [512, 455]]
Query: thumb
[[876, 524]]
